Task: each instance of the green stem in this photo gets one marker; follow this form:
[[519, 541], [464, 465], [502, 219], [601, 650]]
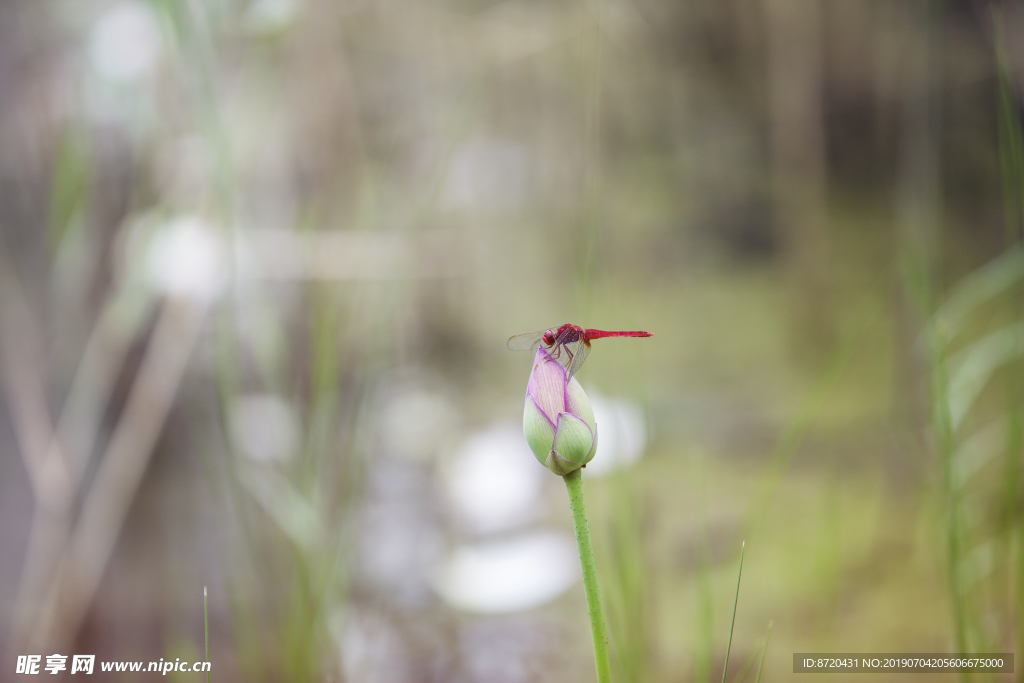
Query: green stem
[[574, 482]]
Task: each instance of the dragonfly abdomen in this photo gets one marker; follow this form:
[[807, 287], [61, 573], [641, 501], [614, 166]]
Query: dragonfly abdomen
[[598, 334]]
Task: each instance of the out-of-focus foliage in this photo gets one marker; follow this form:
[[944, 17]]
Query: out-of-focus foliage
[[259, 259]]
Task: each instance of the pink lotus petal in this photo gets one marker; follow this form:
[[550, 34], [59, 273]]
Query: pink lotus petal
[[547, 385]]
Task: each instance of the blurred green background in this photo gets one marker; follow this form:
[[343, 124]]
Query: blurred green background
[[260, 258]]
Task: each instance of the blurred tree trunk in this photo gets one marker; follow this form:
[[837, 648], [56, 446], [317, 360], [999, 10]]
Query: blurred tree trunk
[[799, 167]]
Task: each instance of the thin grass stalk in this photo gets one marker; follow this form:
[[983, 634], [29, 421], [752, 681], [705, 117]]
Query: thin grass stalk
[[735, 602], [745, 669], [764, 652]]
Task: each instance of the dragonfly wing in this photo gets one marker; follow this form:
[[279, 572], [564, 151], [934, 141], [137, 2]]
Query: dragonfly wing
[[525, 342], [530, 340], [570, 349], [580, 349]]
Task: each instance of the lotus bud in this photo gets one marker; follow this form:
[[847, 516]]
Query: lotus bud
[[558, 420]]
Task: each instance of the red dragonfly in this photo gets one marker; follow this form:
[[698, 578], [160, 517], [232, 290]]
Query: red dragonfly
[[568, 344]]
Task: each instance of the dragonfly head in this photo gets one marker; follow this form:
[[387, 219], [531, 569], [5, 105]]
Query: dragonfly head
[[549, 337]]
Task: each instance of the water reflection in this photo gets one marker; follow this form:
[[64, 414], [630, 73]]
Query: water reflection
[[493, 482], [125, 42], [509, 575]]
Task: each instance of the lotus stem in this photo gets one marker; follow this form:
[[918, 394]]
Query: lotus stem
[[574, 483]]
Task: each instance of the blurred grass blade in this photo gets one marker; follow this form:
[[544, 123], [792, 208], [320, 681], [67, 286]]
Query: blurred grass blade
[[976, 364], [736, 600], [981, 286], [69, 187], [1011, 137], [747, 666], [294, 514], [978, 450], [764, 652]]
